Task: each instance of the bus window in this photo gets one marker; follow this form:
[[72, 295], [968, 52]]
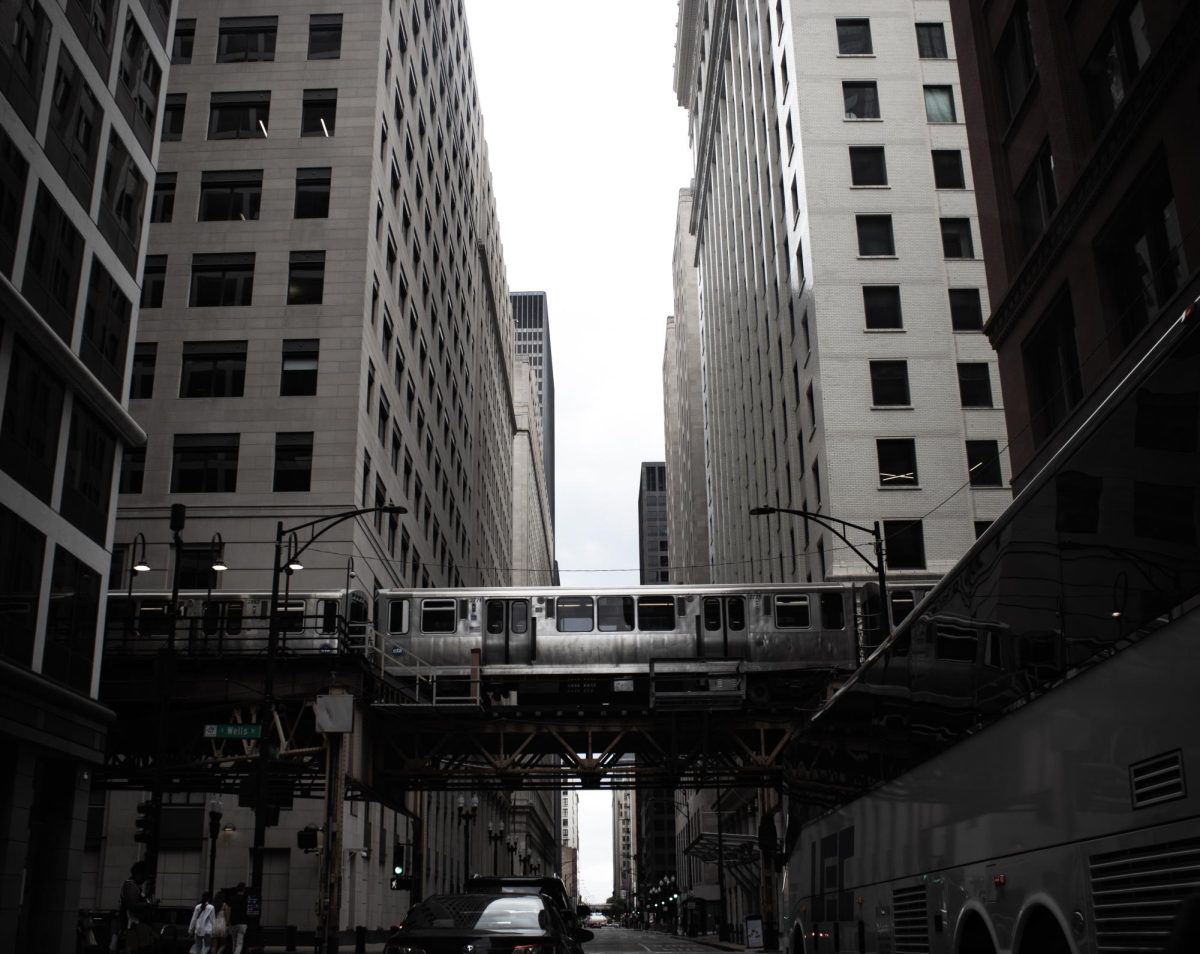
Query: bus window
[[329, 615], [614, 614], [656, 613], [574, 614], [397, 617], [902, 604], [735, 613], [519, 616], [439, 616], [712, 613], [833, 611], [791, 612], [955, 643], [495, 616]]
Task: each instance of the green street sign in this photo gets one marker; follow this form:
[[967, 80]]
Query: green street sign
[[235, 730]]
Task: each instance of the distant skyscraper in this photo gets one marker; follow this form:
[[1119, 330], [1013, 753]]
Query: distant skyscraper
[[624, 832], [653, 554], [532, 316]]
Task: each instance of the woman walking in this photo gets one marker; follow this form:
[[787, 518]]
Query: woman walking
[[201, 927], [221, 939]]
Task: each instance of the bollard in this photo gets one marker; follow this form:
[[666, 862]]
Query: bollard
[[360, 940], [291, 939]]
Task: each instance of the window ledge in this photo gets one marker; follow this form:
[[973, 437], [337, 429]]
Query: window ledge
[[864, 119], [856, 56], [899, 488], [891, 407], [885, 331], [879, 258], [877, 187]]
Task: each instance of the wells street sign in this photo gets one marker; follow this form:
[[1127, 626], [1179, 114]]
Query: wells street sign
[[235, 730]]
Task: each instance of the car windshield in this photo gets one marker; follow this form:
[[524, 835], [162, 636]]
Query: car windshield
[[510, 913]]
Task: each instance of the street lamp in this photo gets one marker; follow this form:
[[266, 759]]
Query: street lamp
[[495, 836], [524, 856], [214, 829], [466, 816], [828, 523], [217, 548], [511, 844], [136, 565], [317, 528]]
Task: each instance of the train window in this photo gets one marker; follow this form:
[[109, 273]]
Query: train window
[[291, 614], [574, 614], [358, 616], [791, 612], [233, 618], [519, 616], [955, 643], [833, 611], [153, 620], [902, 604], [397, 617], [495, 616], [656, 613], [614, 614], [439, 616], [735, 613], [208, 619], [329, 615], [712, 613]]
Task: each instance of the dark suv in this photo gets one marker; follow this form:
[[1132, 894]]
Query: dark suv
[[551, 887]]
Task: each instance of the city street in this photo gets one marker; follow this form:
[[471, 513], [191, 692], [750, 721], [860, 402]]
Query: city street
[[617, 940]]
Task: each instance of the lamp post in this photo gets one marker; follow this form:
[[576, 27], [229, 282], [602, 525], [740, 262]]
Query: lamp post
[[317, 528], [885, 610], [136, 565], [524, 856], [214, 829], [216, 554], [512, 855], [466, 815], [495, 836]]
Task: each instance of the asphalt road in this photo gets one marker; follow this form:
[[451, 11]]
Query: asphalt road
[[617, 940]]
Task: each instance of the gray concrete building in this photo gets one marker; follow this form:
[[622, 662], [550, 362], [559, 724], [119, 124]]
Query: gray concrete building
[[81, 95], [683, 415], [624, 846], [841, 288], [533, 529], [654, 557], [531, 312], [327, 326]]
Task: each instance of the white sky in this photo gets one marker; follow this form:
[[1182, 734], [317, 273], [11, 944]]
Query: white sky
[[588, 151]]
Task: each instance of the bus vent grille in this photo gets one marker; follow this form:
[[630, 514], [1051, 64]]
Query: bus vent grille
[[1135, 893], [1156, 780], [910, 920]]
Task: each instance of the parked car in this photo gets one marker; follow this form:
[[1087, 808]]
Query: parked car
[[489, 923]]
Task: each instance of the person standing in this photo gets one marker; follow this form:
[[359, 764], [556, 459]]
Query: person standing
[[237, 917], [201, 926], [221, 924], [137, 907]]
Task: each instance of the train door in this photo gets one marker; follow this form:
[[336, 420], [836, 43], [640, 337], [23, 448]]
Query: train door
[[723, 626], [220, 619], [506, 633]]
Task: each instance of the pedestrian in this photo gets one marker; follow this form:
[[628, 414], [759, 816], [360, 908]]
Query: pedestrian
[[200, 928], [133, 933], [221, 924], [237, 917]]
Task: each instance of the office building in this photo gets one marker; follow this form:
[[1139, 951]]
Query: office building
[[533, 529], [841, 288], [532, 315], [568, 815], [653, 553], [624, 845], [80, 101], [1088, 202]]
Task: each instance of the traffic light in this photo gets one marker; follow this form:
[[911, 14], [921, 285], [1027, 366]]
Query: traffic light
[[306, 838], [401, 878], [146, 823]]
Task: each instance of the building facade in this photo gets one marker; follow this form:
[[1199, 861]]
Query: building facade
[[80, 103], [683, 414], [1087, 195], [654, 557], [568, 815], [841, 287], [531, 312], [624, 845], [533, 528]]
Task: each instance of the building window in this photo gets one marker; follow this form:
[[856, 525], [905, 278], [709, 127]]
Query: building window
[[106, 317], [868, 166], [975, 384], [1051, 363], [174, 108], [239, 115], [312, 193], [87, 473], [939, 104], [122, 201], [325, 36], [1014, 59], [204, 463], [298, 375], [293, 462], [1037, 198], [154, 280], [948, 169], [33, 406], [246, 39], [213, 369], [881, 306], [854, 37], [133, 470], [222, 279], [966, 312], [983, 464], [73, 133], [230, 196], [904, 543], [306, 278], [889, 384], [181, 44], [141, 381], [931, 41], [140, 83], [53, 264], [897, 462], [875, 235], [956, 238], [14, 173], [861, 100], [162, 206], [71, 622], [318, 115], [1116, 62]]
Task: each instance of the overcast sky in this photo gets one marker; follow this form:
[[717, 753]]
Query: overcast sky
[[588, 151]]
